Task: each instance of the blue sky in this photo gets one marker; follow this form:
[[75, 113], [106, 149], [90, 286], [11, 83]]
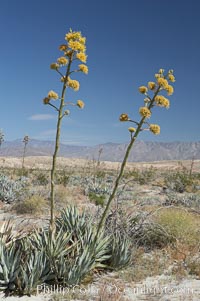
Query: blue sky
[[127, 42]]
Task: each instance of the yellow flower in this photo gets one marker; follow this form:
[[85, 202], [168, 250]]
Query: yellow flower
[[169, 89], [145, 112], [54, 66], [131, 130], [74, 84], [62, 60], [124, 117], [155, 129], [73, 35], [80, 104], [76, 46], [82, 40], [83, 68], [162, 101], [46, 100], [171, 78], [52, 95], [157, 75], [81, 56], [63, 47], [162, 82], [143, 89], [161, 71], [151, 85]]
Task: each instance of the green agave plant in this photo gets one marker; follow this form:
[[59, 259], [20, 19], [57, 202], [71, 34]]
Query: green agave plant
[[10, 265], [84, 231], [63, 256]]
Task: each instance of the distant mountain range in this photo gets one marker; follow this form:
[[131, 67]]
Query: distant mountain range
[[142, 150]]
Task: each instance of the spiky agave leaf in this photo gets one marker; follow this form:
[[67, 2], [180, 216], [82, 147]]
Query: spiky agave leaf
[[55, 244], [6, 234], [121, 252], [10, 262], [102, 251], [35, 271], [82, 265]]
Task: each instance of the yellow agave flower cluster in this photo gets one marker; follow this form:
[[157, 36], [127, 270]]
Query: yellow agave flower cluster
[[74, 49], [51, 95], [161, 84]]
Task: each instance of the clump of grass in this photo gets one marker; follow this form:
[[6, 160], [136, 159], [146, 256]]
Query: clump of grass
[[181, 224], [63, 195], [70, 195], [33, 205]]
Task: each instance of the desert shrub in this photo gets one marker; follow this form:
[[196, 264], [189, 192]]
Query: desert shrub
[[65, 196], [97, 185], [12, 190], [151, 235], [21, 172], [33, 205], [188, 200], [142, 177], [62, 195], [100, 174], [139, 228], [99, 200], [180, 181], [180, 224], [62, 178], [193, 265], [41, 178]]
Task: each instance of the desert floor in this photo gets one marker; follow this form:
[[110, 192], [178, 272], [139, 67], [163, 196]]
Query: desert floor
[[168, 273]]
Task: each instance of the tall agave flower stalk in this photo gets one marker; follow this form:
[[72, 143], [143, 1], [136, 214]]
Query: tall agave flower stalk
[[25, 141], [152, 99], [74, 50], [1, 137]]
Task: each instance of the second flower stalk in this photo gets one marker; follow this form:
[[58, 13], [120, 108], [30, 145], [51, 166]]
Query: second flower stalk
[[161, 84]]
